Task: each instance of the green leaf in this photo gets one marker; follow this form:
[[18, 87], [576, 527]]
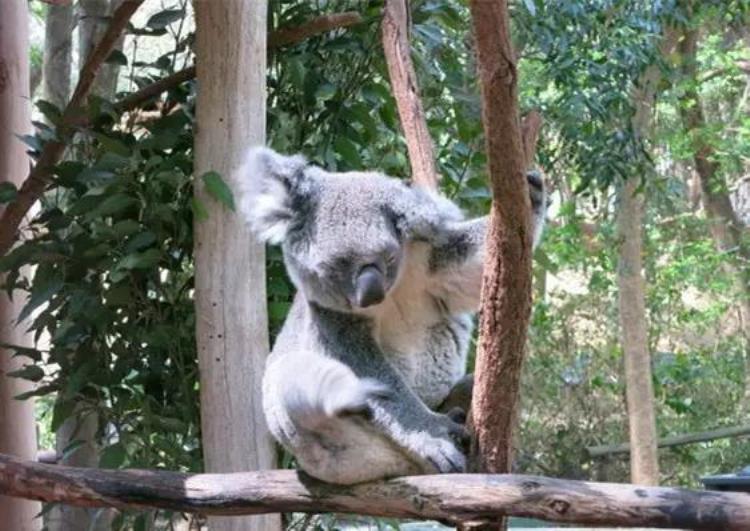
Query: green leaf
[[117, 58], [199, 210], [144, 260], [162, 19], [39, 296], [113, 456], [50, 111], [28, 372], [29, 352], [8, 192], [31, 140], [218, 189], [113, 204]]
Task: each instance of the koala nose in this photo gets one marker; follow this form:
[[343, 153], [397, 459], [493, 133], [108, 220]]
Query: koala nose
[[370, 287]]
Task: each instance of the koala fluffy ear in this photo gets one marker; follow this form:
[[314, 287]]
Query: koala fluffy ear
[[267, 184]]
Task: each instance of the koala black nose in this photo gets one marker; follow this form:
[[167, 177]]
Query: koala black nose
[[370, 287]]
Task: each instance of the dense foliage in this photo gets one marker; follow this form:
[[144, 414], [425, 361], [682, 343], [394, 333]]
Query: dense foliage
[[111, 291]]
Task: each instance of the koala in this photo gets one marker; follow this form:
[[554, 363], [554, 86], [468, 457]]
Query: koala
[[388, 276]]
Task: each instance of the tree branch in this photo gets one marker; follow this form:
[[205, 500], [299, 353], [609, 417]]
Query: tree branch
[[41, 175], [406, 91], [455, 497]]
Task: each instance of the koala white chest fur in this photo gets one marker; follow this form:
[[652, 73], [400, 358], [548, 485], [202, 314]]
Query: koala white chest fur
[[387, 278]]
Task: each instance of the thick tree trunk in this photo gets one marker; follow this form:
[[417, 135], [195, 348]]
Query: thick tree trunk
[[725, 226], [58, 54], [644, 457], [230, 283], [17, 423]]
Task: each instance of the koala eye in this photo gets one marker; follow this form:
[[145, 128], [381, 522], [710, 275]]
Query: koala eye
[[392, 223]]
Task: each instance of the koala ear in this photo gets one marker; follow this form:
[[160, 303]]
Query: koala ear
[[268, 184], [423, 213]]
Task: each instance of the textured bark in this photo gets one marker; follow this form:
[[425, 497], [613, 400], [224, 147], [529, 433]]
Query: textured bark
[[17, 425], [455, 497], [58, 54], [406, 92], [506, 289], [726, 228], [39, 177], [230, 293]]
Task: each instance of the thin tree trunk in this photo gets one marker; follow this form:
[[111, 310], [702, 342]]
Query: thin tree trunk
[[230, 282], [725, 226], [506, 286], [58, 54], [17, 423], [644, 457]]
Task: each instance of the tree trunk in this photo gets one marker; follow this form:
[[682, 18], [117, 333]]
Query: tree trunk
[[506, 286], [725, 226], [639, 390], [17, 423], [230, 282], [58, 54], [93, 20], [644, 464]]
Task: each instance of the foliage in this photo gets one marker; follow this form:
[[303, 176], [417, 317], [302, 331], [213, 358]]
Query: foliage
[[111, 294]]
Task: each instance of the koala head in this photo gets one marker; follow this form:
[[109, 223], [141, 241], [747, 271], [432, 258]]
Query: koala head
[[342, 235]]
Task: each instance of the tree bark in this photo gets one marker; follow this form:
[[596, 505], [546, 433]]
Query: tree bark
[[230, 282], [17, 422], [405, 89], [451, 497], [57, 54], [94, 16], [726, 228], [506, 290]]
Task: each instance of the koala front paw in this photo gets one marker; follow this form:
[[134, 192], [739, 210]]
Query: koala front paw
[[443, 447]]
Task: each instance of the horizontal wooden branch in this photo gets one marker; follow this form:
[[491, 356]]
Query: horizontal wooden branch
[[456, 497], [676, 440]]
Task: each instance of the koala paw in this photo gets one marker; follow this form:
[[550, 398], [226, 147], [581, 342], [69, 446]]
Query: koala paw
[[443, 447], [537, 190]]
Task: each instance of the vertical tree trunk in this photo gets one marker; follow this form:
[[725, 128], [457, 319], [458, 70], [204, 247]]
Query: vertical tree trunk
[[725, 226], [93, 20], [58, 54], [17, 423], [644, 464], [644, 457], [506, 287], [230, 283]]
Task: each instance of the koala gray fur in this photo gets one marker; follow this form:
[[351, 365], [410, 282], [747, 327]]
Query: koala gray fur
[[388, 276]]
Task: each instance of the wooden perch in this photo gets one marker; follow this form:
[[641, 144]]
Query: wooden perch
[[406, 92], [677, 440], [455, 497], [41, 175]]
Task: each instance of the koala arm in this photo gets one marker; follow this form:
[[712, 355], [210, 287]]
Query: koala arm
[[432, 439], [457, 258]]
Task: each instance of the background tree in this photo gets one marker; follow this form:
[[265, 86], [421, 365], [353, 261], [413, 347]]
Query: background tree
[[17, 426]]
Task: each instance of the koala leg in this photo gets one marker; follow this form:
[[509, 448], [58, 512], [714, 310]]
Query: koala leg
[[324, 421]]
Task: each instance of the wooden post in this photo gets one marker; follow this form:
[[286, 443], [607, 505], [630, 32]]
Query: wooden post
[[17, 423], [230, 281]]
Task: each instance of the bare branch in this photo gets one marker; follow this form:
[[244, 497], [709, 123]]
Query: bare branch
[[453, 497], [406, 91], [318, 25]]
